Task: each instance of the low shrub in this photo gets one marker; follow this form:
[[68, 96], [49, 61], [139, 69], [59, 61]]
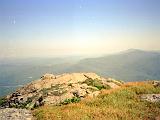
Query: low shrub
[[72, 100], [56, 90], [2, 101], [96, 83]]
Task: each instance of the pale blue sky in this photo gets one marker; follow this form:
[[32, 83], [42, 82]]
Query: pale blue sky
[[74, 27]]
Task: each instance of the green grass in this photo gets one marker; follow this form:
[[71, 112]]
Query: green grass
[[56, 90], [72, 100], [2, 101], [119, 104], [117, 82], [96, 83]]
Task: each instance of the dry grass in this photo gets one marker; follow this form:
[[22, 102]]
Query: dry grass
[[116, 104]]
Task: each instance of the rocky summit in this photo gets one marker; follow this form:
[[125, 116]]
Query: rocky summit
[[59, 89], [47, 99]]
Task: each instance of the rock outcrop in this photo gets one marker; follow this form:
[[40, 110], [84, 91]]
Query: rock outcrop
[[15, 114], [51, 89], [151, 97], [156, 83]]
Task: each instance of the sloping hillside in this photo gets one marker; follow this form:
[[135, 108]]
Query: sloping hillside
[[131, 65], [123, 103], [60, 89], [78, 96]]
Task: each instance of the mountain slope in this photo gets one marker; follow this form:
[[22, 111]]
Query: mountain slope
[[123, 103], [131, 65], [17, 72]]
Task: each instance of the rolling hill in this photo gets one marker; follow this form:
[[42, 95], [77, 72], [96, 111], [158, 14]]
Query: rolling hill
[[130, 65]]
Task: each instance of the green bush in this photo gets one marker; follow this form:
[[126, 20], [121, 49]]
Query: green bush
[[96, 83], [72, 100], [56, 90], [2, 101]]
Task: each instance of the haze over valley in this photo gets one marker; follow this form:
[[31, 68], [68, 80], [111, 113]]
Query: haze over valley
[[79, 59], [129, 65]]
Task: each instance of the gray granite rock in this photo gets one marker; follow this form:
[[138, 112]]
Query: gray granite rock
[[15, 114]]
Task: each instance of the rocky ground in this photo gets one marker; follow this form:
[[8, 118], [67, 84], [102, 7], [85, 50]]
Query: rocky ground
[[51, 89], [15, 114], [151, 97], [58, 90]]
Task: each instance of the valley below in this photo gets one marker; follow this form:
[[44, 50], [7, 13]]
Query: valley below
[[123, 86], [129, 65]]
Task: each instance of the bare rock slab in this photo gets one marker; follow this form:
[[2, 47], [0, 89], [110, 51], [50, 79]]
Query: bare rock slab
[[15, 114], [151, 97]]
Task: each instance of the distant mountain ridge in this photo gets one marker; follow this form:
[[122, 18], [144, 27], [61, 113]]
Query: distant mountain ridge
[[130, 65]]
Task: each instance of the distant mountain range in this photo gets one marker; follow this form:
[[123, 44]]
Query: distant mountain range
[[130, 65]]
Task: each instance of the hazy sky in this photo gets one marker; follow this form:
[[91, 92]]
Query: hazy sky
[[73, 27]]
